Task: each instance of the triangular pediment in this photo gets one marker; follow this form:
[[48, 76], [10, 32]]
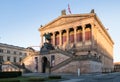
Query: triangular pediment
[[65, 19]]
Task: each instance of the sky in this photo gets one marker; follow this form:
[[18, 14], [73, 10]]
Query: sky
[[21, 19]]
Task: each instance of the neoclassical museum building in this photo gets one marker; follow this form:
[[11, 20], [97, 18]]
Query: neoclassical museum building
[[75, 41]]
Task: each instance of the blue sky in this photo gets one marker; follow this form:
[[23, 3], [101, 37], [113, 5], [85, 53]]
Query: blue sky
[[20, 19]]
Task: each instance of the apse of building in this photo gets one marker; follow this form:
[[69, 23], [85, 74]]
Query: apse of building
[[85, 33]]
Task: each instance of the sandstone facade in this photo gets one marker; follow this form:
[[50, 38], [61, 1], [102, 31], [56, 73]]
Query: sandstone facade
[[80, 41]]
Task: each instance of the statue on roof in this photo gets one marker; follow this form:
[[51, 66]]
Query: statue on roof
[[92, 11], [63, 12]]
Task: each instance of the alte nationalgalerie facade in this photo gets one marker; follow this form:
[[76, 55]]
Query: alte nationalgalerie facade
[[78, 41]]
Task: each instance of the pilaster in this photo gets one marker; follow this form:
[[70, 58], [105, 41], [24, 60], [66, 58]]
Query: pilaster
[[92, 34]]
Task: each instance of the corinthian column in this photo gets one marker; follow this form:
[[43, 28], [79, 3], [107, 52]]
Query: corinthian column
[[60, 37], [83, 34], [75, 35], [67, 36], [53, 38]]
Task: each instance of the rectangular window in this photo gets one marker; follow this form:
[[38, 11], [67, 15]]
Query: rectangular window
[[8, 51], [1, 58], [20, 59], [8, 58], [1, 50], [20, 53], [15, 52], [36, 59], [25, 54], [14, 59]]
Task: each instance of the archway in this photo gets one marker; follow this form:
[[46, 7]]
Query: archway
[[45, 64]]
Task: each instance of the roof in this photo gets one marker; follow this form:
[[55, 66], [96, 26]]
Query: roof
[[81, 16], [10, 46], [116, 63]]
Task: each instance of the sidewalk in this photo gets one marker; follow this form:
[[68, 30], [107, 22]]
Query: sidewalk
[[72, 80]]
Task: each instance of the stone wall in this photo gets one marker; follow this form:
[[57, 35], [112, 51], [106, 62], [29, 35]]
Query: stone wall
[[85, 67]]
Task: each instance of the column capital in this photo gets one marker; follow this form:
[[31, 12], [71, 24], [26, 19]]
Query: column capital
[[74, 28], [67, 29], [92, 23], [54, 32], [60, 31], [83, 25]]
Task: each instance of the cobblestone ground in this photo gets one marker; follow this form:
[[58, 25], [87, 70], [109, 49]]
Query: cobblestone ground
[[111, 77]]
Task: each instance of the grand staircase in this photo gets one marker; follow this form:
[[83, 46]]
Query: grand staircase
[[27, 57], [73, 57], [65, 62], [21, 67]]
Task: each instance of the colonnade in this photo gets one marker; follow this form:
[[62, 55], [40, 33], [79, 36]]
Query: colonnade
[[74, 35]]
